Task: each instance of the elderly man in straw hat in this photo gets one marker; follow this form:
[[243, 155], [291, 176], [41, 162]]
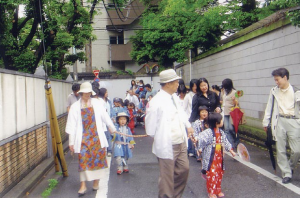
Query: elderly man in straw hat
[[167, 123]]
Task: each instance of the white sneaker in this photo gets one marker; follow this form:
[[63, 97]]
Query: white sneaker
[[108, 154], [191, 154]]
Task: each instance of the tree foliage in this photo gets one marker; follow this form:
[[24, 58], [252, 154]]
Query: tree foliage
[[65, 24], [175, 26]]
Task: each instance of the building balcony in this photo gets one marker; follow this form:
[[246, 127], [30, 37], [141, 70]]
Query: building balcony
[[120, 52]]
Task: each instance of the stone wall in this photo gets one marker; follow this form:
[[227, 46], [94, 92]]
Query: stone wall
[[249, 63], [19, 156]]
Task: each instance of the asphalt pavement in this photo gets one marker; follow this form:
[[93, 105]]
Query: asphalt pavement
[[249, 180]]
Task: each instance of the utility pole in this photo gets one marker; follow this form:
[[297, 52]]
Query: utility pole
[[88, 51], [75, 67], [110, 64]]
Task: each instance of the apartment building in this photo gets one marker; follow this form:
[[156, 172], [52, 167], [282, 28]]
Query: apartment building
[[113, 27]]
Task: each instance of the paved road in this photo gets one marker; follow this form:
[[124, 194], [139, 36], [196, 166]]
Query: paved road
[[249, 180]]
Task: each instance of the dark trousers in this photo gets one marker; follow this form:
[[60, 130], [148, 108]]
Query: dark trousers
[[173, 173]]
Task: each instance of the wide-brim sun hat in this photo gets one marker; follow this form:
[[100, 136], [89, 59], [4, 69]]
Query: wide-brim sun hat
[[86, 87], [168, 75], [122, 114]]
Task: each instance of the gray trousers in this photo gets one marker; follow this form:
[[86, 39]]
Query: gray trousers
[[287, 130], [173, 173]]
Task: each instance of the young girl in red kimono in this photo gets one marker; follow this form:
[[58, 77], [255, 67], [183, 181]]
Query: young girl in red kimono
[[212, 141], [132, 115]]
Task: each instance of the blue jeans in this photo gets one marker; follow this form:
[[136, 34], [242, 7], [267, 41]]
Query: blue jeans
[[108, 137], [191, 147], [232, 137]]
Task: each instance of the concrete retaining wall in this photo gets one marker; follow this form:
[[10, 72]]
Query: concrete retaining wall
[[249, 64]]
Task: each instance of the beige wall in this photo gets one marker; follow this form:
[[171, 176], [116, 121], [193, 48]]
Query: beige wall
[[100, 47]]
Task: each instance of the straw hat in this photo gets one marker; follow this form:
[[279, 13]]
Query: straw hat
[[168, 75], [122, 114], [86, 87]]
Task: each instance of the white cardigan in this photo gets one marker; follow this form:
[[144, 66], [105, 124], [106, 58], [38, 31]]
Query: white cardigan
[[74, 124]]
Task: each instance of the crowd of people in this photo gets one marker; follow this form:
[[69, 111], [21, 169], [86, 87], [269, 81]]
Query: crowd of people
[[185, 121], [96, 123]]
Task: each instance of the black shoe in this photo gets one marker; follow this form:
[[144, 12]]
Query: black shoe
[[292, 172], [286, 180]]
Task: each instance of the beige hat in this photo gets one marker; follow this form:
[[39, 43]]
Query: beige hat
[[168, 75], [122, 114], [86, 87]]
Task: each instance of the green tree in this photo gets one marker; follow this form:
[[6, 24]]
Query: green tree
[[65, 24], [175, 26]]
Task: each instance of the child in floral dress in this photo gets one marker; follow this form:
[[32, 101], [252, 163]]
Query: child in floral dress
[[123, 143], [212, 141], [199, 126]]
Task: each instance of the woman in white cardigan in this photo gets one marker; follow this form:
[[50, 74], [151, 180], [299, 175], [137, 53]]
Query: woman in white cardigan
[[86, 136], [187, 107]]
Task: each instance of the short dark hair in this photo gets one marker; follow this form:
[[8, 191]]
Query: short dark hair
[[148, 85], [202, 108], [216, 87], [141, 81], [213, 119], [96, 84], [75, 87], [126, 102], [162, 84], [102, 92], [281, 72], [131, 104], [95, 87]]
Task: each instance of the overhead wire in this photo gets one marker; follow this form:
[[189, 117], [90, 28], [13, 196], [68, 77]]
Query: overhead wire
[[110, 17]]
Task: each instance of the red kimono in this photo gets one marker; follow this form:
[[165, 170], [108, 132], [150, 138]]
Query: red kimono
[[215, 174], [131, 120]]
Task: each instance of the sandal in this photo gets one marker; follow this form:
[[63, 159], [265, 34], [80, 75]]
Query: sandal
[[212, 196], [221, 194], [82, 192]]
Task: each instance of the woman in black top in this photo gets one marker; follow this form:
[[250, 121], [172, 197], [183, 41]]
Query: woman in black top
[[204, 97]]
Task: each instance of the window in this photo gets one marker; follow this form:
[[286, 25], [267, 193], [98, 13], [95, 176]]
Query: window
[[112, 40], [116, 39], [121, 39]]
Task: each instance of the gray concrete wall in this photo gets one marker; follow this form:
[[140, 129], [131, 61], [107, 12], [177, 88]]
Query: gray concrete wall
[[250, 64]]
